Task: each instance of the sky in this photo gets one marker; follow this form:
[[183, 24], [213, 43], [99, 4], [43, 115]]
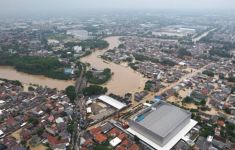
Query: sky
[[15, 7]]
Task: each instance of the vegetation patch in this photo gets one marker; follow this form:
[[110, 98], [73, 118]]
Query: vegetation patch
[[47, 66], [99, 77]]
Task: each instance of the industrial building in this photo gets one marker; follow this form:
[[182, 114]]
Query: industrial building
[[112, 102], [161, 125]]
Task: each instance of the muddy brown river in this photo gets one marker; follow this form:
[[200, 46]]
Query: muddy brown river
[[123, 80]]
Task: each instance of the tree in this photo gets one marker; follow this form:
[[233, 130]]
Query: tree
[[40, 131], [99, 78], [203, 102], [183, 52], [121, 46], [71, 93], [34, 121], [70, 127], [94, 90], [23, 143], [208, 73], [188, 99], [176, 94], [48, 66]]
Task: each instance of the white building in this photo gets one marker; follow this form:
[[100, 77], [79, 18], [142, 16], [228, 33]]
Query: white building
[[77, 49], [80, 34], [113, 102]]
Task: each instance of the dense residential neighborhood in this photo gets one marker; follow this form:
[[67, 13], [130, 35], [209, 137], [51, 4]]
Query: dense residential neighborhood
[[122, 81]]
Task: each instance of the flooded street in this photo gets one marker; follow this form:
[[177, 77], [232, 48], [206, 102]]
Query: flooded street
[[11, 74], [124, 78]]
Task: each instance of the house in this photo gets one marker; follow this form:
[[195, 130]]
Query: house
[[220, 143], [100, 138], [134, 147], [95, 131], [37, 111], [120, 148], [114, 132], [181, 145], [52, 129], [59, 120], [202, 144], [11, 122], [88, 143], [126, 143], [198, 96], [114, 142], [54, 143], [51, 118], [221, 123], [35, 140], [10, 142], [25, 134], [122, 136], [106, 127]]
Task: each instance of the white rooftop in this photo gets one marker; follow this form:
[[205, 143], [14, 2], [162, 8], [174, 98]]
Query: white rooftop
[[88, 110], [114, 142], [112, 102], [59, 120], [172, 142], [1, 132]]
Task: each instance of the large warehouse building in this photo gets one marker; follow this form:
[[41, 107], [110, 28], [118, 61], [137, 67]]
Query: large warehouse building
[[162, 125]]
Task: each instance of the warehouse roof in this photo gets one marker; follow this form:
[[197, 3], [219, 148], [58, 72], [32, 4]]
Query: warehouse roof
[[163, 119], [169, 144], [113, 102]]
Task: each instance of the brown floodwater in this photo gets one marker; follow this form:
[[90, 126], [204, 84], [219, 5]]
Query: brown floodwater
[[124, 79], [11, 74]]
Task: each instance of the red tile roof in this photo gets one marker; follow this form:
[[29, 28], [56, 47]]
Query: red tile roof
[[11, 121], [51, 118], [126, 143], [220, 123], [54, 140], [120, 148], [95, 131], [25, 134], [88, 142], [114, 132], [134, 147], [122, 136], [83, 148], [100, 138]]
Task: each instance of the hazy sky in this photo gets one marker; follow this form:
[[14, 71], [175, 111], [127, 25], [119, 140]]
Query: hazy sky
[[47, 6]]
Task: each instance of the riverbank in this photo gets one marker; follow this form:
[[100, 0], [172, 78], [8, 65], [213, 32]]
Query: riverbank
[[48, 66], [10, 73]]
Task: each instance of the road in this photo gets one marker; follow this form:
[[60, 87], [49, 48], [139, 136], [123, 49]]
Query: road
[[163, 90], [187, 76], [80, 108], [198, 38], [79, 114]]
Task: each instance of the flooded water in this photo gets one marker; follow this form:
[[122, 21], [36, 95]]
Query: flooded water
[[11, 74], [124, 78]]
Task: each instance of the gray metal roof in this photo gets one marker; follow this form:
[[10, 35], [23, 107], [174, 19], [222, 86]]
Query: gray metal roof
[[163, 119]]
